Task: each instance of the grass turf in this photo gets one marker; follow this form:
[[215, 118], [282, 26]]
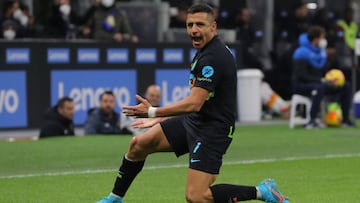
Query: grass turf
[[309, 166]]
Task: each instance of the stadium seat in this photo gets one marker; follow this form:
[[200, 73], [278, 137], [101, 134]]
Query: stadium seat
[[295, 119]]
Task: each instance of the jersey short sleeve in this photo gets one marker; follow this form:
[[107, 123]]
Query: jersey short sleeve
[[205, 74]]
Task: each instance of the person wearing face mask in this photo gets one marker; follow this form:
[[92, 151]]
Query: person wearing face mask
[[12, 18], [308, 70], [109, 24], [63, 21], [9, 30]]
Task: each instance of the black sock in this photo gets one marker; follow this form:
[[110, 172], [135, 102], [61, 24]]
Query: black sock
[[127, 173], [226, 193]]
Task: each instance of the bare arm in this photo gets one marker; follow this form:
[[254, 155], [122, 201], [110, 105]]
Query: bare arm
[[192, 103], [148, 122]]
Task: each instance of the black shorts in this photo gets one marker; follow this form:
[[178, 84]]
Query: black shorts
[[205, 143]]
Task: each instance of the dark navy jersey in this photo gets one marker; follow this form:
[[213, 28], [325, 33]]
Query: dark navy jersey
[[214, 69]]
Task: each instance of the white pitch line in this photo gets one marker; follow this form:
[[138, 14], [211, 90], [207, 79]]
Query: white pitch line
[[255, 161]]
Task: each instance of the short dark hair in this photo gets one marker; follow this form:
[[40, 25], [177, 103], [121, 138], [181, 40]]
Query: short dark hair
[[315, 32], [108, 92], [201, 7], [62, 101]]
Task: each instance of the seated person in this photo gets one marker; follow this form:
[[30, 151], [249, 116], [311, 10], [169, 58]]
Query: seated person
[[153, 95], [309, 61], [59, 119], [103, 119]]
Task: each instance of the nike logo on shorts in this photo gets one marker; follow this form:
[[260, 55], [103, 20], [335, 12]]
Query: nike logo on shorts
[[194, 160]]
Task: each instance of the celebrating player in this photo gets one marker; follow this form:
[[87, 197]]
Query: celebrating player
[[201, 124]]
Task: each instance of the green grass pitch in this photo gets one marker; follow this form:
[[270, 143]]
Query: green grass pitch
[[317, 166]]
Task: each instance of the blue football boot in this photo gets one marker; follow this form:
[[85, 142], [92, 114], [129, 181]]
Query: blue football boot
[[270, 193], [111, 199]]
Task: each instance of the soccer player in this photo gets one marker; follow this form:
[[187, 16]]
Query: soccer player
[[201, 124]]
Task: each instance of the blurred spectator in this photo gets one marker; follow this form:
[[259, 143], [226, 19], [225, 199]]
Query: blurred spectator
[[324, 18], [179, 20], [348, 28], [289, 24], [347, 32], [153, 95], [63, 21], [271, 100], [245, 33], [103, 119], [9, 29], [243, 26], [30, 30], [20, 21], [294, 23], [59, 119], [221, 16], [309, 68], [109, 24]]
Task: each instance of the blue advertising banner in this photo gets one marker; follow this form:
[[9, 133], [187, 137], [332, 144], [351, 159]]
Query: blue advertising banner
[[117, 55], [145, 55], [86, 90], [88, 55], [17, 55], [173, 55], [13, 107], [174, 84], [58, 55]]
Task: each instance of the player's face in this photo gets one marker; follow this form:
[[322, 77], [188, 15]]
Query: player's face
[[67, 110], [107, 103], [201, 28]]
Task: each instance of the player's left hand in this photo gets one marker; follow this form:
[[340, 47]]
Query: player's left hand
[[138, 111], [146, 122]]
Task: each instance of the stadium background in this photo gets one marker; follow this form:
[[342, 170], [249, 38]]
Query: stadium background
[[34, 73]]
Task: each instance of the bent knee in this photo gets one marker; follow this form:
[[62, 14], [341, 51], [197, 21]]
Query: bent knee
[[136, 151], [133, 141], [196, 197]]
